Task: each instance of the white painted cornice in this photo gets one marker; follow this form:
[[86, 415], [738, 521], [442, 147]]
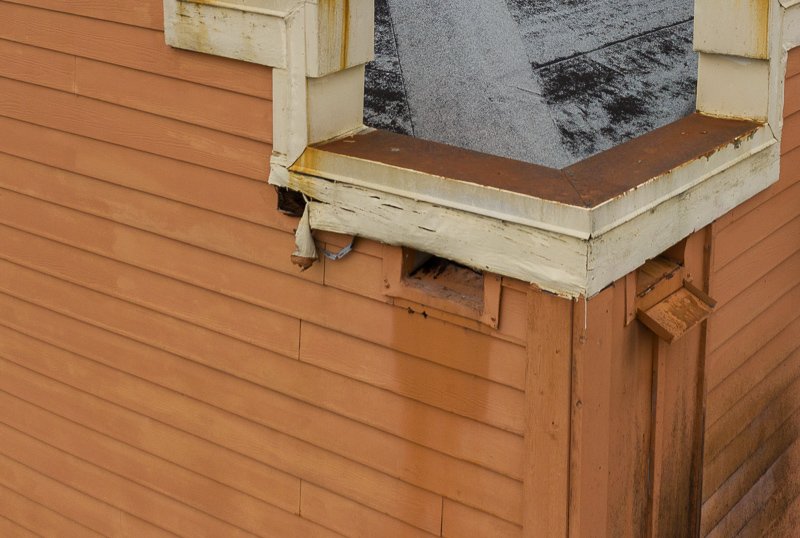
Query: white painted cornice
[[317, 49]]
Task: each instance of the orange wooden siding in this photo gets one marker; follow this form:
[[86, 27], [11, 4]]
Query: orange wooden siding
[[752, 445], [164, 369]]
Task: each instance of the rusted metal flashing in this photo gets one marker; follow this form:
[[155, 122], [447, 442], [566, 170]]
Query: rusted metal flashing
[[588, 183]]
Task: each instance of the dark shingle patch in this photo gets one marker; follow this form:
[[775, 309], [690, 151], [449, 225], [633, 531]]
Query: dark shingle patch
[[385, 99], [385, 104], [608, 96]]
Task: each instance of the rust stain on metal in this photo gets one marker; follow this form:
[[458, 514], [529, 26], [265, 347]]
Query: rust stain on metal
[[345, 33], [761, 15], [336, 27], [455, 163], [588, 183]]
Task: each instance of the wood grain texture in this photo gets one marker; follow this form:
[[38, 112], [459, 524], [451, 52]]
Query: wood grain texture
[[13, 530], [425, 381], [431, 470], [170, 444], [144, 13], [236, 319], [548, 388], [352, 480], [138, 48], [38, 518], [766, 501], [116, 491], [755, 335], [752, 300], [790, 174], [724, 395], [131, 128], [96, 515], [465, 439], [205, 229], [727, 493], [382, 324], [461, 521], [168, 479], [350, 518], [217, 109], [37, 66], [591, 493], [749, 483], [180, 181], [756, 226]]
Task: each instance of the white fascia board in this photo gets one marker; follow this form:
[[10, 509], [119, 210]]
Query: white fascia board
[[622, 249], [569, 220], [241, 29], [651, 194], [447, 192], [555, 262], [718, 21]]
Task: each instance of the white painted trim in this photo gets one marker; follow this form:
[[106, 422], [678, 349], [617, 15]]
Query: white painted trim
[[622, 249], [563, 263], [733, 86], [732, 28], [573, 221], [555, 262], [791, 25], [569, 250], [317, 49]]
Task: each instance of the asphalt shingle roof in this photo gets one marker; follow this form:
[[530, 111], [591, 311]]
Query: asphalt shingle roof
[[543, 81]]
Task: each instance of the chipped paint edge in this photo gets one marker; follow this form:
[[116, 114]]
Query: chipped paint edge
[[564, 249]]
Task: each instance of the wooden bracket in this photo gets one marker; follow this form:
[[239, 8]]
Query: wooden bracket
[[666, 301], [678, 313]]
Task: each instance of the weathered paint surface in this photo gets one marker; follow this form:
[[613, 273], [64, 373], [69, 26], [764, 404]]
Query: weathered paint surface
[[750, 484], [619, 206], [572, 79], [717, 20]]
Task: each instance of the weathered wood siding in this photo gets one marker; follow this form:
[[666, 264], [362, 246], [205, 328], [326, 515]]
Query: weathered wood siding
[[163, 368], [752, 446]]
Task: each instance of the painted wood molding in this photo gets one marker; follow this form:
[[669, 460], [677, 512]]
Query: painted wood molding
[[337, 33], [317, 49], [570, 262]]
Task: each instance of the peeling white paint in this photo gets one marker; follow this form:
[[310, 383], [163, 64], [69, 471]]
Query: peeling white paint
[[568, 250]]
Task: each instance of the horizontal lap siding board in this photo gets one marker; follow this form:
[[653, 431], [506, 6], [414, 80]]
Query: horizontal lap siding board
[[164, 369], [752, 458]]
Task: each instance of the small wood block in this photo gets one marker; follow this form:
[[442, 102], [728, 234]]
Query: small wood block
[[674, 316]]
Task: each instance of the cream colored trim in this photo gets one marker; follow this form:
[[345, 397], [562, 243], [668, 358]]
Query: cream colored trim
[[733, 87], [569, 262], [791, 25], [317, 49], [732, 27], [573, 221], [573, 251]]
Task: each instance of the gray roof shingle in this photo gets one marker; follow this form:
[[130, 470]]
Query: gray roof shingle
[[543, 81]]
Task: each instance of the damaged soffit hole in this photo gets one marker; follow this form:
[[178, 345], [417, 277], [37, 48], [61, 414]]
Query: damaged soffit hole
[[544, 81]]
